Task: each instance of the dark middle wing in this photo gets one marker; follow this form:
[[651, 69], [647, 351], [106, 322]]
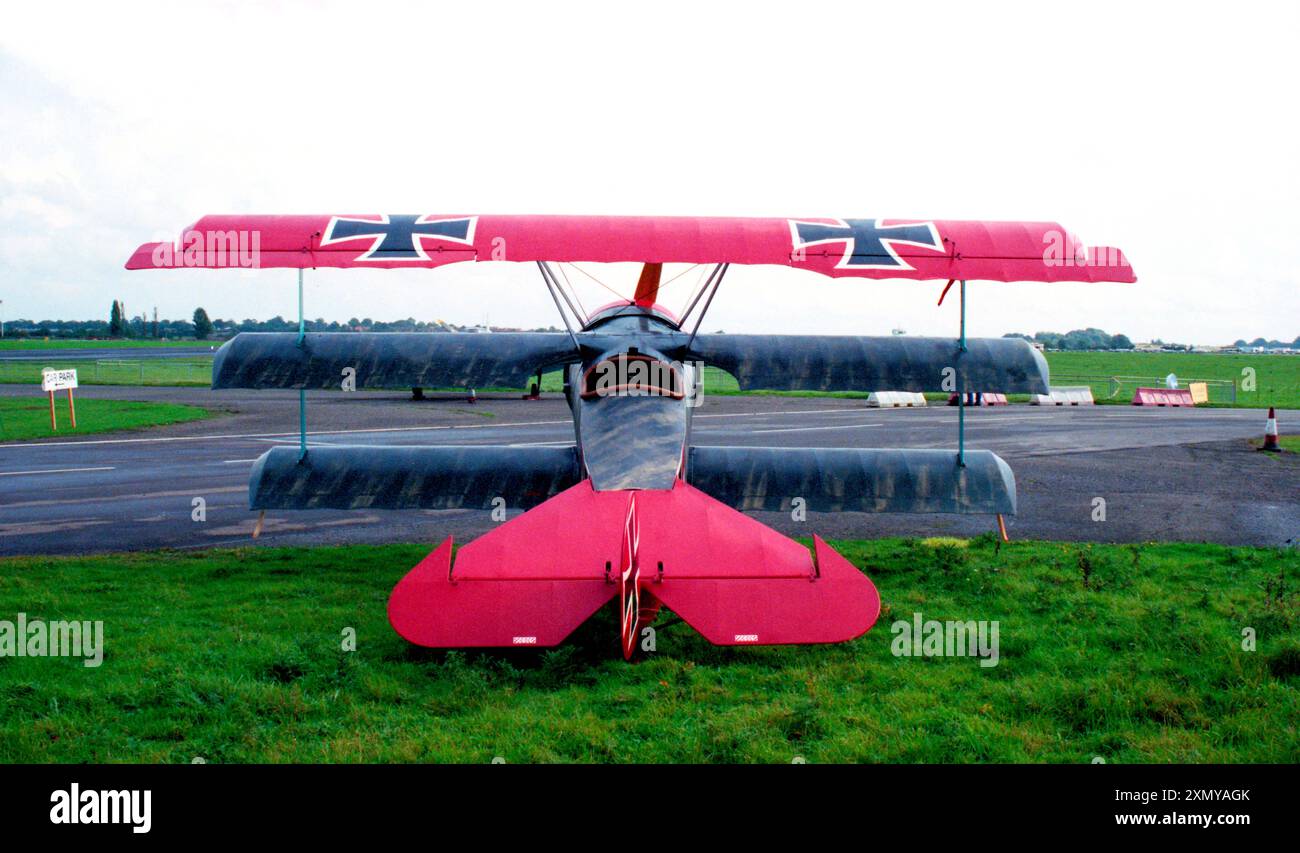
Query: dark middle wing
[[387, 360], [848, 363]]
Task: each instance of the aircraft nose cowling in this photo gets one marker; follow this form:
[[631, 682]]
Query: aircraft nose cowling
[[632, 442]]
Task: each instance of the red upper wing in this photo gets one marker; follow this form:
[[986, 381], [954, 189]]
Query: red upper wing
[[988, 251]]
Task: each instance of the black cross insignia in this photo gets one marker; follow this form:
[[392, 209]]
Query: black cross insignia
[[397, 237], [867, 243]]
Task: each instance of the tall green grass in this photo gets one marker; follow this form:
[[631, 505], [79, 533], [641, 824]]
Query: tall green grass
[[1128, 653]]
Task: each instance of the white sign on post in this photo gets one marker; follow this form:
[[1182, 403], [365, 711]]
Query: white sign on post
[[58, 380]]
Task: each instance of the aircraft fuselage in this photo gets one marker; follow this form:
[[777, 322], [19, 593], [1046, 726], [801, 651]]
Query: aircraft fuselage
[[632, 395]]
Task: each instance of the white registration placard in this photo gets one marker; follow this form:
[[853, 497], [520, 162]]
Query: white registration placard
[[58, 380]]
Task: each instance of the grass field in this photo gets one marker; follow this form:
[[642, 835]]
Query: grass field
[[64, 343], [26, 418], [196, 371], [1128, 653], [70, 343], [1276, 377]]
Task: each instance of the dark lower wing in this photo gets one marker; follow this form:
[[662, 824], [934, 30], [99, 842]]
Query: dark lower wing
[[362, 477], [852, 480]]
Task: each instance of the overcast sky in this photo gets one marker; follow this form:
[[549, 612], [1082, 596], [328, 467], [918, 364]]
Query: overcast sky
[[1170, 132]]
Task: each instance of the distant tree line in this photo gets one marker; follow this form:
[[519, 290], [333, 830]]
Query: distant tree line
[[203, 327], [1079, 339], [200, 326], [134, 327], [1260, 342]]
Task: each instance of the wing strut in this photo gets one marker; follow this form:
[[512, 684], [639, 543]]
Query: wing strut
[[696, 298], [717, 282], [302, 392], [554, 287], [961, 398]]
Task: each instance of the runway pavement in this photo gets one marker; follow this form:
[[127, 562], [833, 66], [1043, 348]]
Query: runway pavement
[[1165, 474]]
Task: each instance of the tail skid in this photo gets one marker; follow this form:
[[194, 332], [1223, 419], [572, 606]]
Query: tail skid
[[536, 578]]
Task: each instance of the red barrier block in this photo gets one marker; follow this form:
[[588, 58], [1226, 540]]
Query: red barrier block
[[985, 398], [1163, 397]]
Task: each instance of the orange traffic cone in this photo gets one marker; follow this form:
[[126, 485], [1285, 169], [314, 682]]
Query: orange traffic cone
[[1270, 433]]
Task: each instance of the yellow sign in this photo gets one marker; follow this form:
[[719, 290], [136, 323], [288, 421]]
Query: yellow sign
[[1200, 392]]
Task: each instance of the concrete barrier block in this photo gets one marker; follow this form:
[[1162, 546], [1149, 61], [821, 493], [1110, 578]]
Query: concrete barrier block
[[895, 399], [1065, 395]]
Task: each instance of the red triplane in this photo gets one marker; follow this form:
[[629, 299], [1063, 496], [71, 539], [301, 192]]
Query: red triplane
[[632, 510]]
